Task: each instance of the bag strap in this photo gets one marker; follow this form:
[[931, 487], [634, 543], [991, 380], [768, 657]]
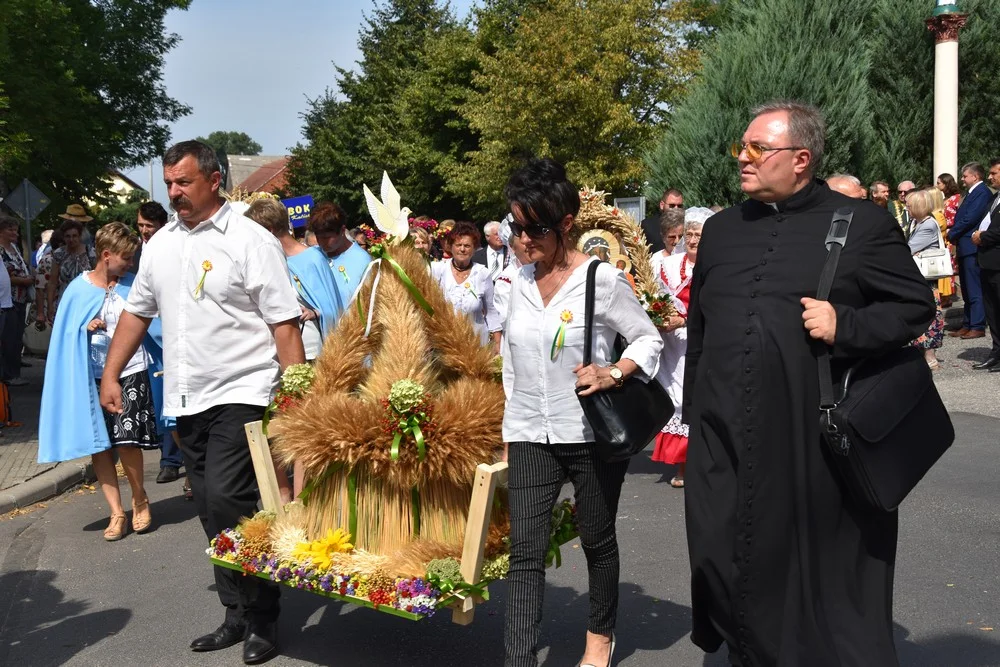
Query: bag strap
[[835, 240], [588, 317]]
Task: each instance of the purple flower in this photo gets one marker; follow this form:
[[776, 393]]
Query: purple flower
[[284, 574]]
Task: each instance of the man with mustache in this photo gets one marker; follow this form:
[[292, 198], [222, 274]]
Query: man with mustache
[[230, 323], [786, 569]]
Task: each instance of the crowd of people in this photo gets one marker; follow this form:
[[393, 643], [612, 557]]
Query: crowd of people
[[174, 338]]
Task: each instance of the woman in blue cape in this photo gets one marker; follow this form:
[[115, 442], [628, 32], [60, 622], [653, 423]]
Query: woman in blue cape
[[71, 421], [310, 274]]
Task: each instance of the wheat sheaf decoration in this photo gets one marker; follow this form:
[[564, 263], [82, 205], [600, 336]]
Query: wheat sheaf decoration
[[596, 214], [396, 421]]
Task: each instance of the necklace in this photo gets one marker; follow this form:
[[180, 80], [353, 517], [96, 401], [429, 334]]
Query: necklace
[[684, 273], [459, 269], [551, 292]]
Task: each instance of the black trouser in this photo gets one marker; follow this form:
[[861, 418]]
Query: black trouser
[[536, 476], [222, 479], [991, 299], [11, 342]]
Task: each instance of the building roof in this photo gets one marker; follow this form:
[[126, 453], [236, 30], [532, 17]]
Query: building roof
[[261, 168], [269, 177]]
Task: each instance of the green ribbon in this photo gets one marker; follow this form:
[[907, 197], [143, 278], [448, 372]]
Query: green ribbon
[[308, 489], [460, 589], [415, 500], [352, 504], [409, 426], [378, 251]]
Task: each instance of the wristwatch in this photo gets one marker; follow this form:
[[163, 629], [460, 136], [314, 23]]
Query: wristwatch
[[616, 375]]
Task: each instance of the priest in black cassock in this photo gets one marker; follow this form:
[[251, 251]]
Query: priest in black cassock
[[786, 569]]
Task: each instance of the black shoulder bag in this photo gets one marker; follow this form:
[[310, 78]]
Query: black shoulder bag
[[888, 425], [625, 419]]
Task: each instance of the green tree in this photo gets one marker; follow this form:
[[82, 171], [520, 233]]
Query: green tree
[[84, 82], [872, 75], [817, 60], [122, 211], [232, 143], [352, 134], [585, 83]]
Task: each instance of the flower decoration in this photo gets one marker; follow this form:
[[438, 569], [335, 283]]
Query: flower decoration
[[295, 384], [467, 285], [320, 552], [659, 308], [343, 271], [206, 266], [408, 415], [559, 340]]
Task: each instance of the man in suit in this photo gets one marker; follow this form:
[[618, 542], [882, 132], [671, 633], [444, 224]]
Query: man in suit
[[987, 239], [651, 224], [494, 255], [967, 220]]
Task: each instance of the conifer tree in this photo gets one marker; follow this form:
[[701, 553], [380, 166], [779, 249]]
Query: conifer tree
[[768, 49]]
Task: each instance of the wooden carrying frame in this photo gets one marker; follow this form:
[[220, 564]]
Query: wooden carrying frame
[[488, 477]]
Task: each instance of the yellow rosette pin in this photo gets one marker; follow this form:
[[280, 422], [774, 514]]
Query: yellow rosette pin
[[343, 272], [206, 266], [468, 286], [560, 338]]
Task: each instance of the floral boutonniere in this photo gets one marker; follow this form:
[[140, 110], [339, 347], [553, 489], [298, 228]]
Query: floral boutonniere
[[468, 286], [565, 317], [206, 266], [343, 271]]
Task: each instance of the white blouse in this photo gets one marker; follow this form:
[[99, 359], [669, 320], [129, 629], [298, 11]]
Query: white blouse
[[474, 296], [542, 405]]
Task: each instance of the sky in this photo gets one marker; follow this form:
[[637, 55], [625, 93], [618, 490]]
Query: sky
[[251, 66]]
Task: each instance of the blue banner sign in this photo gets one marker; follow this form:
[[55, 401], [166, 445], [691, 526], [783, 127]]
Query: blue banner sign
[[298, 209]]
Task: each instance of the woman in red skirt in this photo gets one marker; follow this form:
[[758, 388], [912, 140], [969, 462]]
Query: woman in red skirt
[[674, 273]]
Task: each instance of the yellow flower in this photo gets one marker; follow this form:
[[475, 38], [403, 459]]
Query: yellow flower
[[566, 316], [206, 266], [321, 552], [467, 286]]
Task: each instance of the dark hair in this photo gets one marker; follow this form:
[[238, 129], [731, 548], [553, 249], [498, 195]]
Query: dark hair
[[154, 212], [7, 222], [464, 228], [671, 191], [208, 161], [56, 240], [975, 168], [994, 162], [879, 183], [327, 217], [543, 193], [71, 224], [672, 217]]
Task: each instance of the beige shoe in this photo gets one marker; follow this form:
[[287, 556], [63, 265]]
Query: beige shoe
[[141, 518], [116, 529]]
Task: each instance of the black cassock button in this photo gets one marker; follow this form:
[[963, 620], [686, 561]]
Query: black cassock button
[[748, 409], [749, 331], [757, 277], [747, 371], [750, 466], [746, 350], [774, 233], [748, 389], [753, 295], [770, 248], [763, 262]]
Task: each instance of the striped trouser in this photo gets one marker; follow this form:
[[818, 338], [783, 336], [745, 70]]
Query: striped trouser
[[536, 476]]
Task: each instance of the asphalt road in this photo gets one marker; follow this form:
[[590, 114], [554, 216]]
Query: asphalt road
[[69, 598]]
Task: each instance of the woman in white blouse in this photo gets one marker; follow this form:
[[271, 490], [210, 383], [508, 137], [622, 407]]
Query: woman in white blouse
[[468, 286], [548, 438]]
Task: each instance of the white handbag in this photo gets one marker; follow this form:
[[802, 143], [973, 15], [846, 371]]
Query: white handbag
[[935, 263]]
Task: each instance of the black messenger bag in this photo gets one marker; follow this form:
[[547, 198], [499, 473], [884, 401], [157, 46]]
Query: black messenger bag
[[624, 419], [887, 425]]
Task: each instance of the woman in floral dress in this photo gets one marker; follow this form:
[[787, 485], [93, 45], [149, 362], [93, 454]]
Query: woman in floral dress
[[69, 261]]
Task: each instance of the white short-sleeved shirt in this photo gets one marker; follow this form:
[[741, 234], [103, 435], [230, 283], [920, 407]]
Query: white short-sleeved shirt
[[218, 345], [542, 405], [474, 296]]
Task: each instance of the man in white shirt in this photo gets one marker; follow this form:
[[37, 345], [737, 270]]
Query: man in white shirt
[[494, 256], [219, 284]]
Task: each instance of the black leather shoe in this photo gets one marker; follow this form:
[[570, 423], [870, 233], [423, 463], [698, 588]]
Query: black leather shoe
[[995, 369], [168, 474], [988, 364], [227, 635], [261, 643]]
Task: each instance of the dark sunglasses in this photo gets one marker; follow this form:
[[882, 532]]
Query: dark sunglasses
[[673, 206], [903, 193], [534, 231]]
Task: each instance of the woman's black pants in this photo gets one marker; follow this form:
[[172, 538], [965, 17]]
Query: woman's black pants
[[535, 478]]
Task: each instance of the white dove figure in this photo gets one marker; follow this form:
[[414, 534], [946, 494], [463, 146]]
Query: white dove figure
[[387, 214]]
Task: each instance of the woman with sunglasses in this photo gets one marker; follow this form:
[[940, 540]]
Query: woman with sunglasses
[[547, 433], [466, 285]]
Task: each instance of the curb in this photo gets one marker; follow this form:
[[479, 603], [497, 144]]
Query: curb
[[50, 483]]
